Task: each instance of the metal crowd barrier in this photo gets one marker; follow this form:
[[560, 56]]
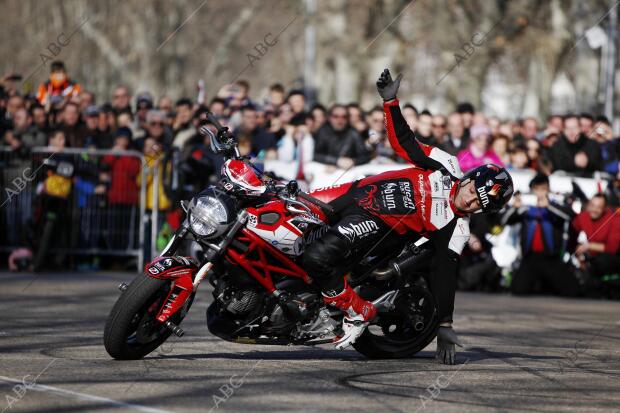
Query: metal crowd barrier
[[91, 222]]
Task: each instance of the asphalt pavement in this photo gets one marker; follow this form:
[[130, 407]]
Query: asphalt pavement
[[531, 354]]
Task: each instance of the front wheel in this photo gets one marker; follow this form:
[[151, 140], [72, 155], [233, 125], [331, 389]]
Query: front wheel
[[404, 331], [131, 331]]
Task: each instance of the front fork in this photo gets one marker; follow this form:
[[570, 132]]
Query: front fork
[[184, 284]]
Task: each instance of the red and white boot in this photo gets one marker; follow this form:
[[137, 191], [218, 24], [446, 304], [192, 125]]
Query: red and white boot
[[358, 311]]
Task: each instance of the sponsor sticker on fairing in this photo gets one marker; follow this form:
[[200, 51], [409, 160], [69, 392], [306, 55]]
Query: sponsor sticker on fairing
[[358, 230]]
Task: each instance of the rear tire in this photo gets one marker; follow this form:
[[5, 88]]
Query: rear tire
[[133, 304], [386, 346]]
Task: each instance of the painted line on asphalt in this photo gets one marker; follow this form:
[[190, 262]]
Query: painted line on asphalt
[[85, 397]]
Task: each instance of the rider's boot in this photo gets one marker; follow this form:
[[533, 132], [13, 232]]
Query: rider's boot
[[358, 313], [447, 340]]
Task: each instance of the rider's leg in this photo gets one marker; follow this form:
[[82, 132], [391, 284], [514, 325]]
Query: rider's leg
[[325, 259]]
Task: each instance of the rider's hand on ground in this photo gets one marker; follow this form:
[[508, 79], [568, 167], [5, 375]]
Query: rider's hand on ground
[[386, 86], [447, 341]]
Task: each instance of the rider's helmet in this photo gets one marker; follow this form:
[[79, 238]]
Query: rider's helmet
[[493, 186]]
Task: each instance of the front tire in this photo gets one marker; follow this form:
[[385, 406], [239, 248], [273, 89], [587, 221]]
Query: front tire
[[131, 331]]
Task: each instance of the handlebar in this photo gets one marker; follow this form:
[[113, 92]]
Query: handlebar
[[315, 201], [213, 120]]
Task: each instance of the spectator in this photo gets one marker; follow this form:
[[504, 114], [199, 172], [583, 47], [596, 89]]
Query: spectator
[[355, 113], [59, 84], [121, 99], [574, 152], [478, 270], [27, 133], [217, 106], [319, 116], [376, 141], [74, 130], [165, 104], [337, 143], [144, 103], [499, 146], [276, 95], [610, 146], [240, 94], [153, 153], [598, 229], [424, 132], [478, 153], [14, 103], [182, 128], [123, 191], [586, 124], [456, 140], [39, 117], [555, 124], [156, 130], [528, 131], [410, 113], [518, 158], [86, 99], [263, 143], [95, 135], [542, 243], [466, 110], [201, 166], [493, 123], [297, 144], [282, 118], [297, 100], [439, 129]]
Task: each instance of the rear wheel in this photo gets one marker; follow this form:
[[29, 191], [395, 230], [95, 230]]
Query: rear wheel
[[131, 331], [403, 332]]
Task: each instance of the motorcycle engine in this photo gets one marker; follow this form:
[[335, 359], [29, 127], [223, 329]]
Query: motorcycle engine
[[242, 301], [298, 308]]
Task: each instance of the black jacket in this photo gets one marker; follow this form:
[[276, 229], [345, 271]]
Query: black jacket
[[563, 155], [331, 145]]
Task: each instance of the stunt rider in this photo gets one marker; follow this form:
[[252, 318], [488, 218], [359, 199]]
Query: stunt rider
[[432, 199]]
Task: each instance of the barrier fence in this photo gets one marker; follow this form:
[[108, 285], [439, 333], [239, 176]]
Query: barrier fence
[[96, 200], [105, 203]]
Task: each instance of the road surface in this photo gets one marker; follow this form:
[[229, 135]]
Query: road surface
[[535, 354]]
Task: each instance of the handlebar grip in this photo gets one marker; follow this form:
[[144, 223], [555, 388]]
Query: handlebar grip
[[213, 120], [315, 201]]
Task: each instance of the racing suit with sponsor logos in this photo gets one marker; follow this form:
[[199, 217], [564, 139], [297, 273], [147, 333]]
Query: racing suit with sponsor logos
[[384, 210]]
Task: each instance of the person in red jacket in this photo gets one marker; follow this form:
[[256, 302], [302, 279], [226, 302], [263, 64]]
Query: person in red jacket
[[601, 244], [433, 199], [123, 192]]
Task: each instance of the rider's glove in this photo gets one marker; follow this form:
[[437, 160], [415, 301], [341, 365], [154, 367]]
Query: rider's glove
[[446, 341], [386, 86]]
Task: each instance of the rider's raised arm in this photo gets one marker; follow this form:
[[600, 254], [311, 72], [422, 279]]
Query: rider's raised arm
[[406, 145]]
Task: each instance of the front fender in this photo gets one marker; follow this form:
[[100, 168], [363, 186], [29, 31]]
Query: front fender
[[179, 270], [170, 268]]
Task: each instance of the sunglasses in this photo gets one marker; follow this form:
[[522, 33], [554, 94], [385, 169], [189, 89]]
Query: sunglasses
[[439, 125], [157, 123]]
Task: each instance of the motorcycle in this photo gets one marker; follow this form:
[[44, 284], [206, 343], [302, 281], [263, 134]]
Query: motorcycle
[[252, 231]]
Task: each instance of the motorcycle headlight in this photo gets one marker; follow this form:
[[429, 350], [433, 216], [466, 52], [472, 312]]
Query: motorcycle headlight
[[208, 216]]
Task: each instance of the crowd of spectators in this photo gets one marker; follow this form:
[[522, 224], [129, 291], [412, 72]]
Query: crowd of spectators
[[281, 124]]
